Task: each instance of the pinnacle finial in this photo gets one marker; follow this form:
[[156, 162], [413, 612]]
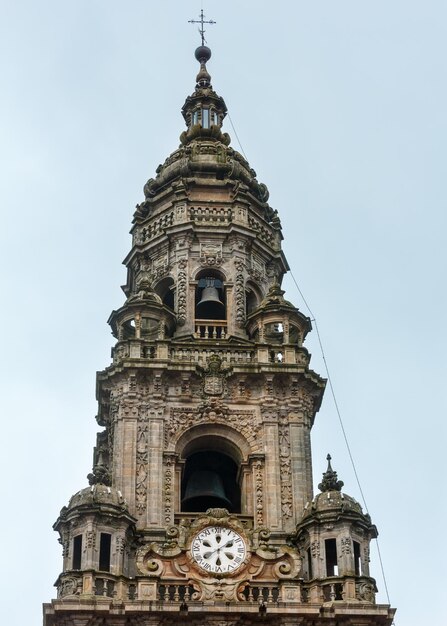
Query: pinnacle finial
[[203, 54], [330, 482]]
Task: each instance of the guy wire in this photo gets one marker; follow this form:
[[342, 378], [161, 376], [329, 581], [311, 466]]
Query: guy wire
[[331, 387]]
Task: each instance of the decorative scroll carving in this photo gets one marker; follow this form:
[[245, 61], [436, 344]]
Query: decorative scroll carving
[[69, 587], [239, 292], [181, 291], [365, 592], [142, 460], [285, 466]]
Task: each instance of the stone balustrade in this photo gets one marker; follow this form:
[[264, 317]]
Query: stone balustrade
[[210, 329], [343, 589]]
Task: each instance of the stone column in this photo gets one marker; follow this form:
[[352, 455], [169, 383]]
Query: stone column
[[125, 441], [301, 479], [272, 477], [155, 483]]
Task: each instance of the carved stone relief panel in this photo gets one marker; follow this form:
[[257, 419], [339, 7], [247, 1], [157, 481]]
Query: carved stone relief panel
[[211, 254], [257, 269], [213, 411], [141, 468], [285, 462]]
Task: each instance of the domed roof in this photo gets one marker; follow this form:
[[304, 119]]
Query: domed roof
[[204, 150], [332, 503], [97, 495]]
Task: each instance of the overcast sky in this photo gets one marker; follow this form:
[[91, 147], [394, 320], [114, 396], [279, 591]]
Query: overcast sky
[[340, 107]]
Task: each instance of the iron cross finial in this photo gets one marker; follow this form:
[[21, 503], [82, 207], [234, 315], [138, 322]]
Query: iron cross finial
[[202, 21]]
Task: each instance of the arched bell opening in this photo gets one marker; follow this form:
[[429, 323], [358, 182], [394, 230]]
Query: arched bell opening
[[128, 329], [295, 335], [252, 298], [165, 289], [274, 332], [210, 480], [210, 297]]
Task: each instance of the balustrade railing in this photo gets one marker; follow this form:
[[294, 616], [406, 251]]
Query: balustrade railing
[[175, 593], [315, 591], [104, 586], [210, 329], [260, 593], [210, 214], [202, 355]]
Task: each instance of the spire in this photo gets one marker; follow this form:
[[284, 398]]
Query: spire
[[330, 482]]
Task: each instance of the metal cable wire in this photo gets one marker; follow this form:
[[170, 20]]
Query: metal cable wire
[[237, 137], [337, 409], [345, 437]]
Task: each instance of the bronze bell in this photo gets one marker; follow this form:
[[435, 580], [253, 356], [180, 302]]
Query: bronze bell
[[210, 306], [204, 490]]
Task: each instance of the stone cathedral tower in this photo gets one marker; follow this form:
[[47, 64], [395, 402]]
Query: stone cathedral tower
[[200, 508]]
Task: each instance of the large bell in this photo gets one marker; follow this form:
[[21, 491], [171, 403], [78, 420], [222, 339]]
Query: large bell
[[204, 490], [210, 306]]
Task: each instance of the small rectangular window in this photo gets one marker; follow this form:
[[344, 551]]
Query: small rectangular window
[[205, 118], [357, 564], [104, 552], [77, 552], [331, 557], [195, 118], [309, 564]]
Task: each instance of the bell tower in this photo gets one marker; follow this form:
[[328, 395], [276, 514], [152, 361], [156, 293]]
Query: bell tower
[[200, 506]]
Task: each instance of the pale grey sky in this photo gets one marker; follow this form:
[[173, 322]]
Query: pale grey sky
[[341, 110]]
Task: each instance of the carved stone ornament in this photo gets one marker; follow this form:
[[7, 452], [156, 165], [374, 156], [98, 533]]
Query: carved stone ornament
[[285, 466], [69, 586], [214, 376], [174, 558], [315, 549], [365, 592], [181, 291], [346, 545], [168, 491], [211, 254], [142, 460], [216, 412], [239, 293]]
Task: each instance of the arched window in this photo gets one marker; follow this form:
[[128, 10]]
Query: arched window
[[210, 297], [210, 481], [165, 289]]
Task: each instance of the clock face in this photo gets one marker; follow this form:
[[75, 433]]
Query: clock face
[[218, 550]]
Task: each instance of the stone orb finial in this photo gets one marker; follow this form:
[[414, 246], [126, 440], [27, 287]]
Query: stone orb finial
[[203, 54]]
